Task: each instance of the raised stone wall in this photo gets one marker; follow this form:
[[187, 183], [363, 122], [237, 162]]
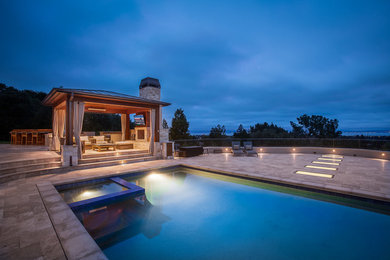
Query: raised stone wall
[[150, 93], [164, 135]]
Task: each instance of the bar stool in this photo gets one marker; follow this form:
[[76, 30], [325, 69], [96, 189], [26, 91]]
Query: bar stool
[[24, 138], [29, 139], [18, 138], [34, 138], [13, 137]]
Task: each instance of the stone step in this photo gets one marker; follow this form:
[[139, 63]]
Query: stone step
[[30, 167], [19, 175], [23, 163], [113, 157], [113, 153], [115, 162]]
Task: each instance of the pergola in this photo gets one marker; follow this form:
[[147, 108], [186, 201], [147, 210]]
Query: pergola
[[69, 106]]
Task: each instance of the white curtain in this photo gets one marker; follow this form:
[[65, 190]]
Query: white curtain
[[61, 122], [55, 145], [123, 123], [152, 125], [78, 117]]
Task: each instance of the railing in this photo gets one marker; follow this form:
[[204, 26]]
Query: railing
[[372, 144]]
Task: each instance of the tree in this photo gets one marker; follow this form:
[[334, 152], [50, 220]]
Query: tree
[[266, 130], [179, 129], [22, 109], [315, 126], [241, 132], [218, 132], [165, 124]]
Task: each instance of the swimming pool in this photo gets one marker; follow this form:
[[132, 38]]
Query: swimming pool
[[191, 214]]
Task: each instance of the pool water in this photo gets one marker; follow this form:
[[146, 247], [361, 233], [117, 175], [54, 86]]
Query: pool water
[[188, 214]]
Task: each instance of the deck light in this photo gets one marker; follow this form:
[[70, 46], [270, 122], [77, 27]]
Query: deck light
[[294, 149], [330, 163], [330, 159], [383, 154], [261, 149], [333, 150], [315, 174], [321, 167]]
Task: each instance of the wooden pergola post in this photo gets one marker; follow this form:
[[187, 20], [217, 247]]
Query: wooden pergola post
[[127, 131]]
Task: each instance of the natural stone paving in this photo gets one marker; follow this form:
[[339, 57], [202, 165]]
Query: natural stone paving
[[26, 231], [10, 153]]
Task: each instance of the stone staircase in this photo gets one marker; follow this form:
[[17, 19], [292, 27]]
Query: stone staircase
[[114, 158], [16, 169]]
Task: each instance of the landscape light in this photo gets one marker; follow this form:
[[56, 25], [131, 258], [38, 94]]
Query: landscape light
[[333, 150], [321, 167], [383, 154], [294, 149], [315, 174]]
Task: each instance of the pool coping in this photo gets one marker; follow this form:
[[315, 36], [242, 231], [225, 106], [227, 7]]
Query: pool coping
[[73, 237]]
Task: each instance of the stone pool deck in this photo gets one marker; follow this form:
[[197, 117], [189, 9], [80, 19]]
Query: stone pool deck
[[28, 229]]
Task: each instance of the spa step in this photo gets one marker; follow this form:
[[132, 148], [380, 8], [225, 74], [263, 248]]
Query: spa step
[[30, 167], [116, 162], [112, 157], [113, 153], [30, 173], [24, 163]]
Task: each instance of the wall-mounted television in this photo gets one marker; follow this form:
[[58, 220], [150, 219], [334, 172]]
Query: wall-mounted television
[[139, 120]]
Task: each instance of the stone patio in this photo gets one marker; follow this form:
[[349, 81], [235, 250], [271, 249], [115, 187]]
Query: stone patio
[[27, 232]]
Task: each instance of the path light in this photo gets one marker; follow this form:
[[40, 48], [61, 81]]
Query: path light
[[333, 150], [315, 174], [293, 149], [226, 149], [383, 154], [321, 167], [261, 149]]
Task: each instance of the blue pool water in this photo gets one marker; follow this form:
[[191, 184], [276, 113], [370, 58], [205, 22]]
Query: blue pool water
[[190, 214]]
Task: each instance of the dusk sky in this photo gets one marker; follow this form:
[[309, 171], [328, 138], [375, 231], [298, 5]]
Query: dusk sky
[[225, 62]]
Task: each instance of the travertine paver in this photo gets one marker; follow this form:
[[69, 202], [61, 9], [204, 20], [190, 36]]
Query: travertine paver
[[26, 230], [10, 153]]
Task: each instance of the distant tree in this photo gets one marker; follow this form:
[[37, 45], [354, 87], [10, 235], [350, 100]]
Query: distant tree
[[218, 132], [315, 126], [101, 122], [179, 126], [165, 124], [241, 132], [22, 109], [266, 130]]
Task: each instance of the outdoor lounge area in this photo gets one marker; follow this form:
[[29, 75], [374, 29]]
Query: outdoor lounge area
[[69, 106]]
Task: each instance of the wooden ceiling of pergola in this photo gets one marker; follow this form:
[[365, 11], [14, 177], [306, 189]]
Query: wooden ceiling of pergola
[[100, 101]]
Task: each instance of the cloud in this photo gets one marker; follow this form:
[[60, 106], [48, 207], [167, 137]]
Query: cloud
[[229, 63]]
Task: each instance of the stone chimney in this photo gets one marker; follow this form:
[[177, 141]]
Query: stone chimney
[[150, 88]]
